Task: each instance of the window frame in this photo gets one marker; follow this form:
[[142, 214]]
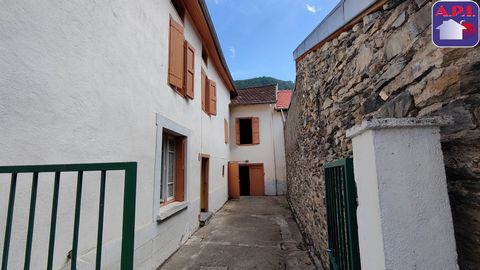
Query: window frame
[[238, 132], [167, 126], [165, 183]]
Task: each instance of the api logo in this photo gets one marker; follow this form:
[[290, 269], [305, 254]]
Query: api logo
[[455, 24]]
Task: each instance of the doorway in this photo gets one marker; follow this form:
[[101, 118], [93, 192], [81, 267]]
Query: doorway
[[244, 172], [251, 180], [204, 184]]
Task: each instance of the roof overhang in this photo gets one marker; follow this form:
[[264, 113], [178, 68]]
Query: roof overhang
[[203, 22], [252, 103], [342, 18]]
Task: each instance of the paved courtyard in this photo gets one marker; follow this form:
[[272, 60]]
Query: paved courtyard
[[250, 233]]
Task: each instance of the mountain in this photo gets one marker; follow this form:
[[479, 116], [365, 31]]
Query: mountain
[[259, 81]]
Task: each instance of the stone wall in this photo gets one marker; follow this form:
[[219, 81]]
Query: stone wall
[[385, 66]]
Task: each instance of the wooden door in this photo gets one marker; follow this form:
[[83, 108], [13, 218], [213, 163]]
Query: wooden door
[[233, 180], [204, 185], [257, 181]]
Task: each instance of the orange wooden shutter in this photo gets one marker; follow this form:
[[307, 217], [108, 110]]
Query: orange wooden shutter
[[233, 180], [180, 169], [237, 130], [212, 95], [204, 91], [255, 131], [189, 70], [176, 55], [257, 181], [225, 127]]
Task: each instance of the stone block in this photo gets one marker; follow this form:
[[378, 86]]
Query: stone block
[[398, 107]]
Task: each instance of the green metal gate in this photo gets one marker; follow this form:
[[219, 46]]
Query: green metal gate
[[341, 215], [128, 226]]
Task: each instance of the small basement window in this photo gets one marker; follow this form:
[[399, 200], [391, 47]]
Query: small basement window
[[246, 131]]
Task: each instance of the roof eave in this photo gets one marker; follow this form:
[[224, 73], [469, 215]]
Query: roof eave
[[203, 5], [204, 25]]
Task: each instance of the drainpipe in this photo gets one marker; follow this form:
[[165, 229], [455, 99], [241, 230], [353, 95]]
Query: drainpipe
[[274, 155]]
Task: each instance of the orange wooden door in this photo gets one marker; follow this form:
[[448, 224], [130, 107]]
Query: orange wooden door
[[257, 181], [233, 180], [204, 185]]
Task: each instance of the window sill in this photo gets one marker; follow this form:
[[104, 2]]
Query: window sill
[[171, 209]]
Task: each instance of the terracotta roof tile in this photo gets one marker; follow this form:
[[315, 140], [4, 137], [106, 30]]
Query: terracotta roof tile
[[256, 95], [283, 99]]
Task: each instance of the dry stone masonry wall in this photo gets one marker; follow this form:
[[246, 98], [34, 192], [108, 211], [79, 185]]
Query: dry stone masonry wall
[[385, 66]]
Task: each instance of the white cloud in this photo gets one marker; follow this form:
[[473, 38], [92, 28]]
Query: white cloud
[[312, 8], [233, 52]]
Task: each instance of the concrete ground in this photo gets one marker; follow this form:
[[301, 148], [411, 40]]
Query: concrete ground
[[250, 233]]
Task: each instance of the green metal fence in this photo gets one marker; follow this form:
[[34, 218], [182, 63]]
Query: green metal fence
[[128, 226], [341, 215]]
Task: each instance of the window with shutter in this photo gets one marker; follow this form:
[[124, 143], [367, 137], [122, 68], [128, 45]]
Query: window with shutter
[[176, 55], [225, 127], [189, 70], [247, 131], [212, 98], [255, 131], [204, 91], [173, 168]]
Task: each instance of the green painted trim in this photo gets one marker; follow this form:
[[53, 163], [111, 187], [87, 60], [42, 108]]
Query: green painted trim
[[336, 163], [129, 203], [31, 221], [8, 226], [101, 211], [118, 166], [128, 231], [76, 224], [341, 199], [352, 204], [53, 221]]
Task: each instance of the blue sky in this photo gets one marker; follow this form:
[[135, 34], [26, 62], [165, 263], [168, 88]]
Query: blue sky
[[259, 36]]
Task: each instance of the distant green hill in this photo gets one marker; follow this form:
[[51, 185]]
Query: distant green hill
[[259, 81]]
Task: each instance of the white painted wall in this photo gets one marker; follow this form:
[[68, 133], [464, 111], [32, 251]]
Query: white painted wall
[[83, 82], [404, 215], [270, 151]]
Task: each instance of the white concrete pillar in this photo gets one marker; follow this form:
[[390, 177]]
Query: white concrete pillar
[[404, 216]]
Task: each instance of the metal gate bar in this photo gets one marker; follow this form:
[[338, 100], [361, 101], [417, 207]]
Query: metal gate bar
[[128, 224], [341, 215]]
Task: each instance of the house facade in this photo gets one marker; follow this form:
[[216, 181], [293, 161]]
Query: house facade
[[257, 142], [113, 81]]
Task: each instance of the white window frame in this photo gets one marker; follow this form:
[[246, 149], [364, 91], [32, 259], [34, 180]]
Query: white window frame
[[171, 127], [164, 185]]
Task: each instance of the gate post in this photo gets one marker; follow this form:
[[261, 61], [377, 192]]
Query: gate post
[[404, 217]]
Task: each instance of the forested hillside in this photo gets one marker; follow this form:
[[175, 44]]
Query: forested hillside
[[259, 81]]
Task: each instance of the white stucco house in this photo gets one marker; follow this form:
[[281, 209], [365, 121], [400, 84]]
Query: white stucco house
[[257, 145], [113, 81]]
